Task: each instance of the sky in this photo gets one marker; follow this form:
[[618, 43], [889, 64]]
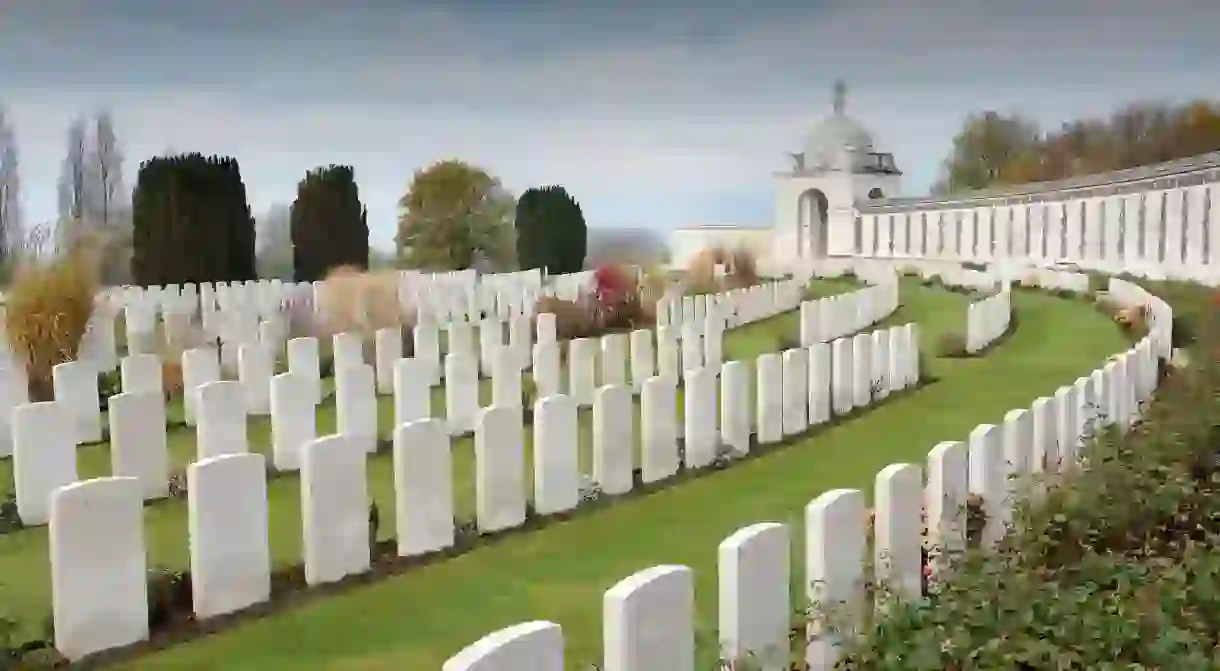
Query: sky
[[654, 115]]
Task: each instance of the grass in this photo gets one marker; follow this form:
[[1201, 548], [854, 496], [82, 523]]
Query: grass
[[419, 619], [24, 554]]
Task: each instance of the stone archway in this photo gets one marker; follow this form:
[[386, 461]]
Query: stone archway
[[812, 231]]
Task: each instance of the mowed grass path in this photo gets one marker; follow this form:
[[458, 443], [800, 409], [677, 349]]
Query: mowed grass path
[[419, 619], [25, 587]]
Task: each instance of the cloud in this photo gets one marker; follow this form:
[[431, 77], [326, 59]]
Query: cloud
[[651, 116]]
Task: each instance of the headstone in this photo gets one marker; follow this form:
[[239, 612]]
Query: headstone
[[834, 566], [423, 486], [293, 419], [334, 509], [658, 429], [556, 454], [987, 470], [221, 420], [898, 540], [505, 378], [388, 345], [613, 439], [699, 417], [499, 469], [14, 391], [648, 621], [546, 369], [44, 457], [254, 372], [735, 429], [412, 394], [303, 360], [99, 590], [769, 396], [582, 354], [795, 392], [356, 405], [138, 444], [532, 646], [754, 600], [199, 367], [614, 359], [642, 364], [230, 554], [461, 393], [141, 372], [348, 349], [75, 385], [427, 348]]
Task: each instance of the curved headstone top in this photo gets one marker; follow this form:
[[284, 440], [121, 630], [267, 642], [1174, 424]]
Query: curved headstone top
[[1170, 174]]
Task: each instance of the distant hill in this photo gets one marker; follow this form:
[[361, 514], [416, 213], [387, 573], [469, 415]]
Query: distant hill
[[625, 245]]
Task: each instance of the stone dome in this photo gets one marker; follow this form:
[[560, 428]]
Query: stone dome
[[830, 136], [836, 141]]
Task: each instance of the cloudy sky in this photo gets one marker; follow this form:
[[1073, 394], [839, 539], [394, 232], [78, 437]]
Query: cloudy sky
[[651, 114]]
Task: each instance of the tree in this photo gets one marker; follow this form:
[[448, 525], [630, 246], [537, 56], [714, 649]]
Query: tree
[[273, 243], [329, 224], [987, 143], [72, 178], [551, 231], [455, 216], [104, 194], [10, 191], [1134, 135], [191, 222]]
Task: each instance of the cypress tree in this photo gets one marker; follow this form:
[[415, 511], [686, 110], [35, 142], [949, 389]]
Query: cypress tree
[[191, 222], [329, 225], [551, 231]]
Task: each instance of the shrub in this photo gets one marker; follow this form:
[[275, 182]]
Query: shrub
[[573, 319], [353, 300], [952, 345], [47, 309], [169, 596], [1116, 568]]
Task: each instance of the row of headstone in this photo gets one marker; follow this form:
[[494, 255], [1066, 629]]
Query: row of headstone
[[227, 485], [219, 408], [988, 319], [649, 617], [835, 316]]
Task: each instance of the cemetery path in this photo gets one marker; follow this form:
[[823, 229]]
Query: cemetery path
[[418, 619]]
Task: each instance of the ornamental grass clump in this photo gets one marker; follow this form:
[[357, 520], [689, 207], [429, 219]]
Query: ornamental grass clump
[[48, 307]]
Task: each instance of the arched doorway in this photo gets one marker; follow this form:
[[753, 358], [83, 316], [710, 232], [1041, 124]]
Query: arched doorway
[[875, 193], [812, 232]]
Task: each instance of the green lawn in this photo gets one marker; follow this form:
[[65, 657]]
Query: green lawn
[[419, 619], [25, 589]]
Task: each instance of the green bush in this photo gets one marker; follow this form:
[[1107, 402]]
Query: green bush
[[1118, 568]]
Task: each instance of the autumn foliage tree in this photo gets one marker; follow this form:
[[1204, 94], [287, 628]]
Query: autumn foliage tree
[[455, 216], [997, 150], [329, 225]]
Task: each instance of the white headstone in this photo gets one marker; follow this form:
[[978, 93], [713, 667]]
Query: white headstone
[[230, 553], [44, 457], [293, 419], [98, 580], [423, 486], [138, 445], [334, 509]]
